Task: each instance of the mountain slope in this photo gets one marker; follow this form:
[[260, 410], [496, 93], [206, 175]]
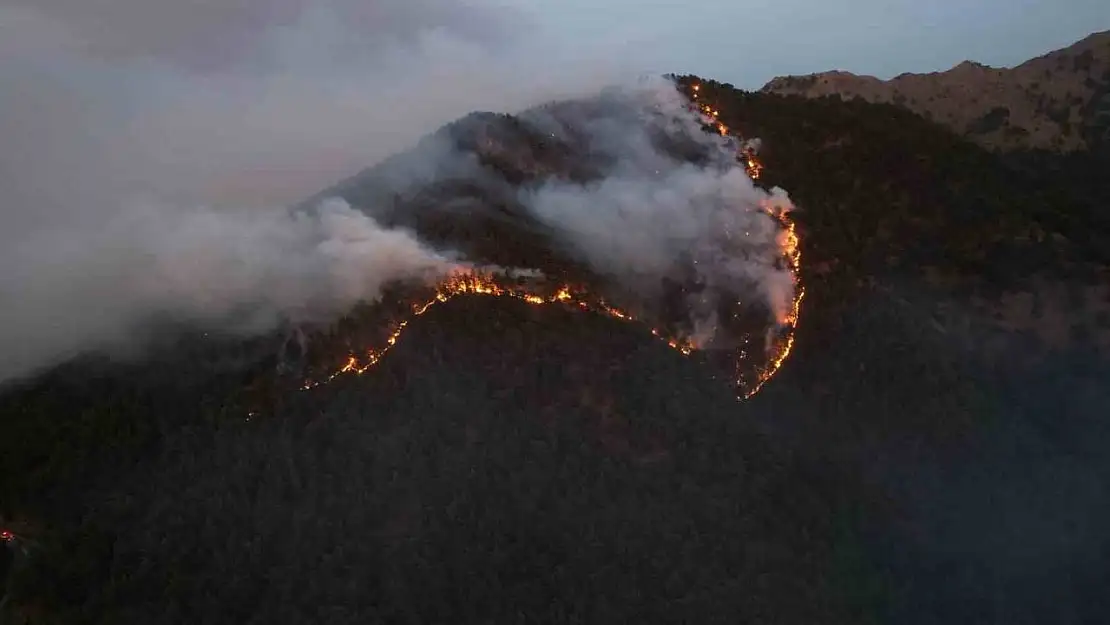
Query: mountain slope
[[506, 464], [888, 197], [1059, 101], [931, 263], [511, 457]]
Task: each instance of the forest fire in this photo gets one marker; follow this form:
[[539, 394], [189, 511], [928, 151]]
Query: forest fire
[[778, 348], [711, 115], [476, 282], [465, 281], [709, 112]]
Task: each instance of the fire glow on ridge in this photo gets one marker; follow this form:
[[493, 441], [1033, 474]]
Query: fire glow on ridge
[[467, 281]]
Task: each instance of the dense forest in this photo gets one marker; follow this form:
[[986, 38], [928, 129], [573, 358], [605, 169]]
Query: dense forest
[[913, 462]]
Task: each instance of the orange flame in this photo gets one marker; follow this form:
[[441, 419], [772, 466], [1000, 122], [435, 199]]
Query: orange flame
[[470, 282], [779, 349]]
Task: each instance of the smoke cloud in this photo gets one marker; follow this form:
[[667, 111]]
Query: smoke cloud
[[655, 211], [147, 146], [647, 225], [245, 271]]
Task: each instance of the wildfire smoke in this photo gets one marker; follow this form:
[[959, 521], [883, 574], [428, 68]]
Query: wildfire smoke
[[486, 282]]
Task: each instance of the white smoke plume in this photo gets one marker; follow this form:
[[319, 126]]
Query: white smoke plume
[[656, 210], [67, 292]]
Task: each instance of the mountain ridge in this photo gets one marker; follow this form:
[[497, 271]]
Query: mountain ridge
[[1058, 101]]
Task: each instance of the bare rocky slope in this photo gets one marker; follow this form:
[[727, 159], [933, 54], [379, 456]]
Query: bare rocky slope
[[1059, 101]]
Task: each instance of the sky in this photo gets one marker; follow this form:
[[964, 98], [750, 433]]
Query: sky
[[748, 42]]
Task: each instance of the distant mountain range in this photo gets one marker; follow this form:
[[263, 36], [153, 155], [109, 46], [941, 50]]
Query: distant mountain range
[[1059, 101]]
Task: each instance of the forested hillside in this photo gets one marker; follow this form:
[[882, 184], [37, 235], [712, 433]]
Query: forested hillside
[[932, 451]]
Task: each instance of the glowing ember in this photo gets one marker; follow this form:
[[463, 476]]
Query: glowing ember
[[754, 168], [471, 282]]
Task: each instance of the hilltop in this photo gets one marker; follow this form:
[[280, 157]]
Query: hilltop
[[1059, 101]]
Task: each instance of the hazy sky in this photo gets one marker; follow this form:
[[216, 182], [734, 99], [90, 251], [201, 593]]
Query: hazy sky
[[748, 42]]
